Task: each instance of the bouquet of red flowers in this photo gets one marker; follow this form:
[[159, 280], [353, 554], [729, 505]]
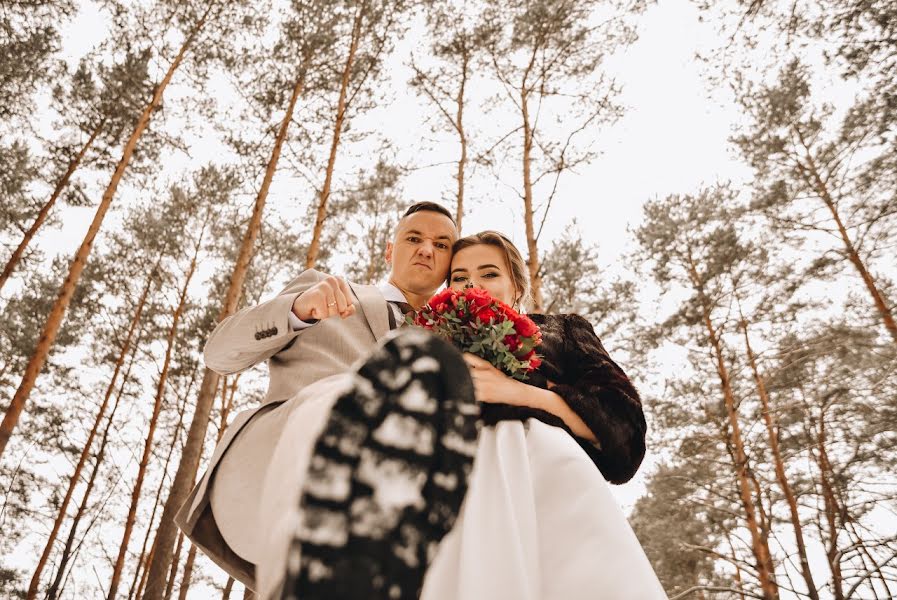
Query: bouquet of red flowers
[[478, 323]]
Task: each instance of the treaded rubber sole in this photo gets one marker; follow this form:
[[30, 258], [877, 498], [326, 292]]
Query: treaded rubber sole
[[388, 475]]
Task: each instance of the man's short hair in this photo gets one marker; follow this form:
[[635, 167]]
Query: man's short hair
[[431, 206]]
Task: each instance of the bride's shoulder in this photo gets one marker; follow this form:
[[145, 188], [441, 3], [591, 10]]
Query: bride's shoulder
[[561, 320]]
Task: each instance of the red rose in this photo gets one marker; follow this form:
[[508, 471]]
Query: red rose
[[525, 327], [478, 298], [442, 297], [487, 315], [508, 313], [535, 363], [512, 342]]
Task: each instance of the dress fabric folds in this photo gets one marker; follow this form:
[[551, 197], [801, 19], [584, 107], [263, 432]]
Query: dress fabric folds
[[539, 523]]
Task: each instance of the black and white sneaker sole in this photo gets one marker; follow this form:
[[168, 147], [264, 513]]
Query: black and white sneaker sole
[[388, 475]]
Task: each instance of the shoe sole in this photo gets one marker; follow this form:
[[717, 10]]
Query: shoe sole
[[388, 475]]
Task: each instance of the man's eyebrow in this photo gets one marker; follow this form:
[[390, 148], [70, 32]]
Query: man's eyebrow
[[416, 232]]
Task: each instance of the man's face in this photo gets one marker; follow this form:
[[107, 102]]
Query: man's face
[[421, 251]]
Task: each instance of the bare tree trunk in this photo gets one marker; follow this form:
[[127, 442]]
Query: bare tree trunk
[[45, 209], [462, 137], [85, 499], [173, 572], [54, 320], [143, 563], [189, 465], [157, 409], [188, 573], [815, 180], [142, 569], [228, 588], [85, 452], [832, 510], [227, 402], [313, 250], [781, 477], [760, 549], [532, 261]]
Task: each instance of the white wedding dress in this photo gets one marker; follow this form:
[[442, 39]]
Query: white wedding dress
[[539, 522]]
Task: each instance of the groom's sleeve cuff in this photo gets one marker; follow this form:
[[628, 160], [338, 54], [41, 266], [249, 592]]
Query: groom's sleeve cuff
[[297, 324]]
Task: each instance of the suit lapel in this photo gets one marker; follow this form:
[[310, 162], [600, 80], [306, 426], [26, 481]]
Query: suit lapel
[[373, 306]]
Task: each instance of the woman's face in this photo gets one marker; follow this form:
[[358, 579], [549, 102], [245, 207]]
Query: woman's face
[[484, 266]]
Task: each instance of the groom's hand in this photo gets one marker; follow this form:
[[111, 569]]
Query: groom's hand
[[328, 298]]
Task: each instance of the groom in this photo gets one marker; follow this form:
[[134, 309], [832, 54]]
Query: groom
[[310, 335]]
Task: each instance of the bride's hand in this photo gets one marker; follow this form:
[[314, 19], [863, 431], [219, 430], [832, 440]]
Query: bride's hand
[[492, 385]]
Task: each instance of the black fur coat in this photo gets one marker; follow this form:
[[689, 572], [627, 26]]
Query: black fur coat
[[594, 386]]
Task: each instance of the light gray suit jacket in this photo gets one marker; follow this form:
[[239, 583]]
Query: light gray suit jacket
[[296, 359]]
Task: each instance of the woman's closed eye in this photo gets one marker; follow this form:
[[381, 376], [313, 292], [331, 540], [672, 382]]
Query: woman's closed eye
[[459, 278]]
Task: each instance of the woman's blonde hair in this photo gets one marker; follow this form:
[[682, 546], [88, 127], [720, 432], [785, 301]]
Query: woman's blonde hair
[[516, 264]]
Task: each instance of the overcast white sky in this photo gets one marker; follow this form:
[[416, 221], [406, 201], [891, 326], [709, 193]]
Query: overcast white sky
[[672, 139]]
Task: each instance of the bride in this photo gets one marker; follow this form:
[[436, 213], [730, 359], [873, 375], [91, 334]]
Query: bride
[[539, 520]]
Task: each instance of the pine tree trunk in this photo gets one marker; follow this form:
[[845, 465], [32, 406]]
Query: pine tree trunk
[[45, 209], [228, 588], [173, 572], [142, 570], [189, 465], [85, 452], [85, 499], [314, 249], [462, 137], [832, 511], [54, 320], [188, 573], [763, 518], [760, 549], [157, 409], [144, 561], [881, 304], [781, 477], [227, 402], [532, 261]]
